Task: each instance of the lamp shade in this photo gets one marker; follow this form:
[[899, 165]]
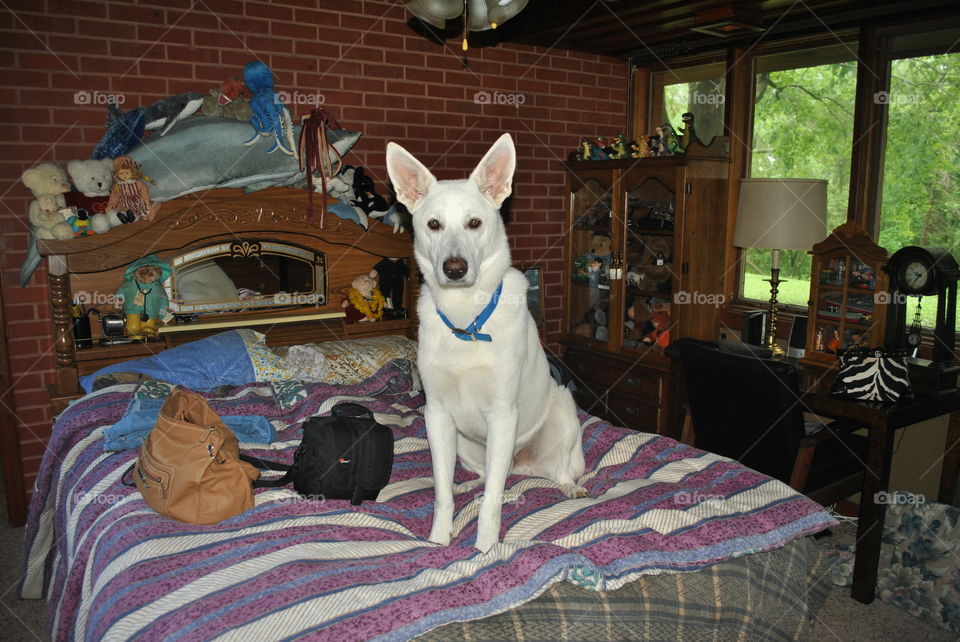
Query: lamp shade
[[781, 213]]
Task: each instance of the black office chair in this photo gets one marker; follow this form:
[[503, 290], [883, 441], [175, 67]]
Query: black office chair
[[746, 407]]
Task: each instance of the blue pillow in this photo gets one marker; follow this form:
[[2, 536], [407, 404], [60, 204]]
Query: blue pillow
[[220, 360]]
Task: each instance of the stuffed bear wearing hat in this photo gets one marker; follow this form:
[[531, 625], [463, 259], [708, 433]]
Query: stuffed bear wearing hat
[[48, 182]]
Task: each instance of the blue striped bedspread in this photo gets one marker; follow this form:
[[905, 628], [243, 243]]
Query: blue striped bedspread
[[291, 567]]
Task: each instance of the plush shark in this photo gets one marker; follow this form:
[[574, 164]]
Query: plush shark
[[165, 113]]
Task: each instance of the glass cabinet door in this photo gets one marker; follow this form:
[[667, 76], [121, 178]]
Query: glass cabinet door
[[648, 261], [592, 250], [844, 304]]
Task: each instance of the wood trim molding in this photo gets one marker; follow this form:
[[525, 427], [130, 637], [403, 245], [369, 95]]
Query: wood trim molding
[[869, 134], [9, 433]]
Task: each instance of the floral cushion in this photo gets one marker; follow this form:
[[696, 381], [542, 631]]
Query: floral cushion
[[267, 366], [348, 361], [919, 560]]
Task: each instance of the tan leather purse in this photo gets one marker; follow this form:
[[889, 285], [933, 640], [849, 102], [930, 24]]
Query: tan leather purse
[[189, 466]]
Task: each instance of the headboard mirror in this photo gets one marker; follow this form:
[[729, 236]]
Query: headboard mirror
[[252, 274]]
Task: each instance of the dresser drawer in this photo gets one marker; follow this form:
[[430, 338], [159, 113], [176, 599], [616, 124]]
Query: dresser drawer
[[594, 371], [642, 382], [633, 411]]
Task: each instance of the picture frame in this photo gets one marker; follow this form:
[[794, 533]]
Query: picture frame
[[534, 276]]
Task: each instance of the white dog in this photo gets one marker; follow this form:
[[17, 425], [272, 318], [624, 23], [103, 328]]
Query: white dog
[[490, 398]]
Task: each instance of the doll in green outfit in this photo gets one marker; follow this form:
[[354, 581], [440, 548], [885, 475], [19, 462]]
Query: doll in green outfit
[[143, 296]]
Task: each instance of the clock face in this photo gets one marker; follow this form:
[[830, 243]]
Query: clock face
[[914, 276]]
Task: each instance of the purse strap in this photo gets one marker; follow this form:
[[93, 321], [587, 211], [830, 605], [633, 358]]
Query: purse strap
[[263, 464], [351, 409]]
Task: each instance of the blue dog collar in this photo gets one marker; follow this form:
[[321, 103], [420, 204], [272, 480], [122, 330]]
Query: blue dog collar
[[472, 332]]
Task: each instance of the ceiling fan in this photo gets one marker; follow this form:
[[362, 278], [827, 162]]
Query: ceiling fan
[[476, 15]]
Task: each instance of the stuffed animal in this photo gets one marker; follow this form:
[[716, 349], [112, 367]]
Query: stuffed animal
[[363, 302], [391, 274], [637, 324], [229, 100], [130, 198], [79, 221], [656, 263], [340, 187], [92, 180], [143, 296], [660, 318], [49, 183], [163, 114], [270, 117]]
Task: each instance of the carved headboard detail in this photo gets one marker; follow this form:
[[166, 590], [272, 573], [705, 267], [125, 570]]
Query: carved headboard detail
[[95, 264]]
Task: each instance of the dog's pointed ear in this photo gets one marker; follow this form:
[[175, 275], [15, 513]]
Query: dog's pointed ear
[[409, 177], [494, 174]]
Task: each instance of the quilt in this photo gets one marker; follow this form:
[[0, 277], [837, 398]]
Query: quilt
[[292, 567]]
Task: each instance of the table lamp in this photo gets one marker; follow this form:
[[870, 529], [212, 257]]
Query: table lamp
[[780, 214]]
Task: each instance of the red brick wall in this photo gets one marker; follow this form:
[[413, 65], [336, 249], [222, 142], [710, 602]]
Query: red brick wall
[[375, 75]]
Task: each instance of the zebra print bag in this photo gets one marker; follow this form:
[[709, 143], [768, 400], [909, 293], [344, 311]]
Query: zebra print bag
[[871, 374]]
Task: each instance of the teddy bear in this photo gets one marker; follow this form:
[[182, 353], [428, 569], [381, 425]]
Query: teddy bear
[[143, 296], [656, 263], [92, 180], [49, 183], [363, 301]]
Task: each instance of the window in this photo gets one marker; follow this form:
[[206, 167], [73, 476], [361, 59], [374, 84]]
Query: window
[[921, 175], [802, 128], [698, 90]]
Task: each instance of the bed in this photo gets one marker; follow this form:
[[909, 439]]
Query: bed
[[672, 542]]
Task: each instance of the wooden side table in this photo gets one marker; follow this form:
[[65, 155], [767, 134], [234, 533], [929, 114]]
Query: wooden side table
[[884, 419]]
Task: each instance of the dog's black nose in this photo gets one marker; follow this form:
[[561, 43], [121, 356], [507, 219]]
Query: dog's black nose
[[455, 268]]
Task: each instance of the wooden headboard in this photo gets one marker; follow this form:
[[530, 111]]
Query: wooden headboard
[[96, 264]]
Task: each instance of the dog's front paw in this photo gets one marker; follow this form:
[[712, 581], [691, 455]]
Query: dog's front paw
[[485, 542], [441, 535], [573, 491]]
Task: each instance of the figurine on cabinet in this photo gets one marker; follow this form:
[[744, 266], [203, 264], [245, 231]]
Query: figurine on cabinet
[[688, 133], [669, 141], [619, 147], [653, 146]]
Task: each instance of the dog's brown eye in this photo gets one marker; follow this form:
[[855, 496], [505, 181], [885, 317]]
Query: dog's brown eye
[[474, 223], [434, 224]]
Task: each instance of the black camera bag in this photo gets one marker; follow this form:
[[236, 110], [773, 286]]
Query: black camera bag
[[347, 455]]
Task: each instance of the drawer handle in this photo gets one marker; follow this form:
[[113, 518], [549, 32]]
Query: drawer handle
[[632, 410], [633, 382]]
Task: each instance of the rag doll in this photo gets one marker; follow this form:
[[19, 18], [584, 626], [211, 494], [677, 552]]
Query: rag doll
[[130, 198]]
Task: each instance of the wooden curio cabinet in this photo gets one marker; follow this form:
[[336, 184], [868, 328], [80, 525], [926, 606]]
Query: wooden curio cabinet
[[849, 293], [644, 257]]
